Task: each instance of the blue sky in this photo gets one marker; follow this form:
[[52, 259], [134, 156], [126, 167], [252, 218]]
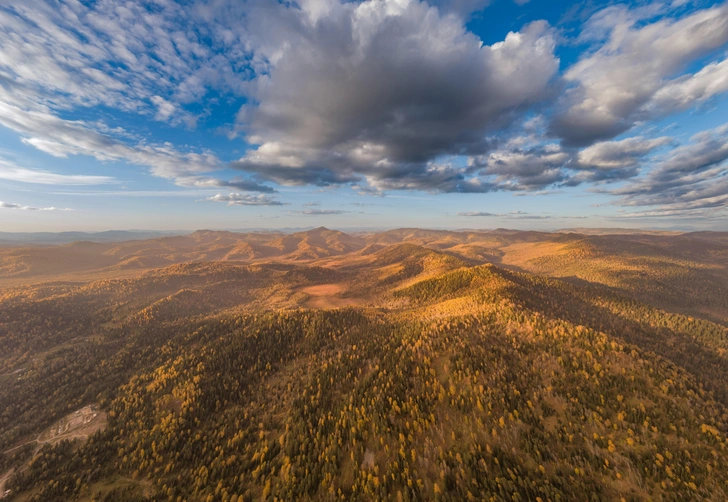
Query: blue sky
[[233, 114]]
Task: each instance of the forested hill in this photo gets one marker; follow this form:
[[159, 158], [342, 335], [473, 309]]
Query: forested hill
[[402, 373]]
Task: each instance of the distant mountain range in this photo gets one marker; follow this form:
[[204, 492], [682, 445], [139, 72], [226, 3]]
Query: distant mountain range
[[20, 238], [680, 267], [51, 238]]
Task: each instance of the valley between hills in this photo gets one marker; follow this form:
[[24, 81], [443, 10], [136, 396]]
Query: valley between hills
[[408, 364]]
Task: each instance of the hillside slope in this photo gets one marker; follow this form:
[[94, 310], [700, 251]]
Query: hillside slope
[[451, 381], [686, 273]]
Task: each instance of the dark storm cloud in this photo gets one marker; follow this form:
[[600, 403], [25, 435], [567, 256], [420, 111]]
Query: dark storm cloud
[[430, 178], [248, 186], [380, 95]]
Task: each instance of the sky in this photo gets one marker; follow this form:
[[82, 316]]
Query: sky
[[238, 114]]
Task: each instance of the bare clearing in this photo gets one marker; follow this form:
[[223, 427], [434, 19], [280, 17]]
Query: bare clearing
[[324, 289], [78, 425], [323, 296]]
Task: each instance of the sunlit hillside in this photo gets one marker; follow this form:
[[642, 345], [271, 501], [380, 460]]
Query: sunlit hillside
[[403, 365]]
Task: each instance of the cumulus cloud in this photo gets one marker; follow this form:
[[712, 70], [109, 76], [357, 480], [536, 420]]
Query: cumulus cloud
[[379, 95], [528, 168], [609, 161], [619, 154], [244, 199], [523, 166], [432, 177], [632, 75], [339, 92], [690, 177], [20, 207], [684, 92], [10, 171], [380, 90]]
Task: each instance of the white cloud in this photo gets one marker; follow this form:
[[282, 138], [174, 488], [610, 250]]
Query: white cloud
[[684, 92], [123, 55], [171, 112], [61, 138], [9, 171], [619, 154], [244, 199], [525, 168], [527, 164], [689, 177], [63, 55], [20, 207], [478, 213], [632, 75], [380, 90], [378, 94]]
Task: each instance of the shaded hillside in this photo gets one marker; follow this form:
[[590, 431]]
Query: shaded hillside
[[698, 346], [682, 272], [450, 381]]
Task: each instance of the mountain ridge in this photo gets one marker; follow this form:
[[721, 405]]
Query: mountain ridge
[[667, 269]]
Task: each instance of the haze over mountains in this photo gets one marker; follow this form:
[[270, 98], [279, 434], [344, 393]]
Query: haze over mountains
[[25, 238], [686, 271], [407, 364]]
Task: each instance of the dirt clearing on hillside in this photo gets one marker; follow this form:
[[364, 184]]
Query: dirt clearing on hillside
[[325, 296], [78, 425]]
